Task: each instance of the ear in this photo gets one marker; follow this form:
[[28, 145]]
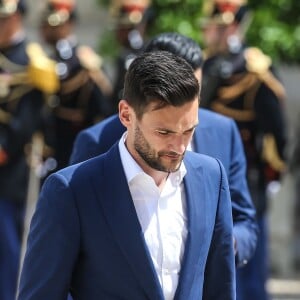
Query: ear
[[198, 74], [125, 113]]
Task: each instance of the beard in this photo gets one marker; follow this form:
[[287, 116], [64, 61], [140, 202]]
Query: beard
[[153, 158]]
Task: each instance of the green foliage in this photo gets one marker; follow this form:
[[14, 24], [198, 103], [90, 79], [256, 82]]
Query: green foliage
[[275, 27], [180, 16], [103, 3], [108, 45]]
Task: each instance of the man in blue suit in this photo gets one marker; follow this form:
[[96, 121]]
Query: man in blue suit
[[216, 136], [145, 220]]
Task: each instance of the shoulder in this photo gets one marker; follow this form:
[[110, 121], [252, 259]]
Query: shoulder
[[205, 169], [42, 71], [84, 170], [97, 139], [76, 177], [17, 54], [197, 160], [91, 61], [213, 117], [79, 170], [110, 126], [220, 123], [257, 61], [260, 64]]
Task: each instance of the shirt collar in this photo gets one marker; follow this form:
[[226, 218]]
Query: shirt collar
[[133, 170]]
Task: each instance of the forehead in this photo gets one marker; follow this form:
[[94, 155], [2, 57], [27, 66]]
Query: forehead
[[172, 117]]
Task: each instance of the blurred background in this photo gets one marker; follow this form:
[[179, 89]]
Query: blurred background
[[275, 28]]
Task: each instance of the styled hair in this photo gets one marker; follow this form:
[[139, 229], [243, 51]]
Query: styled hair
[[177, 44], [161, 77]]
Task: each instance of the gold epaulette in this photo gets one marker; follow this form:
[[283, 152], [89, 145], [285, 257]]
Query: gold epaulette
[[259, 64], [41, 70], [92, 62], [256, 61]]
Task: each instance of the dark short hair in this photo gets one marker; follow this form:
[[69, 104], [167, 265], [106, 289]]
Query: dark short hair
[[178, 44], [159, 76]]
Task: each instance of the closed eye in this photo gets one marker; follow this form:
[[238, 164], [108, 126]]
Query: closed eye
[[168, 132], [190, 131], [163, 132]]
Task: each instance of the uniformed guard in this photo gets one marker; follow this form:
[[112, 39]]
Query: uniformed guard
[[131, 18], [239, 81], [22, 96], [84, 90]]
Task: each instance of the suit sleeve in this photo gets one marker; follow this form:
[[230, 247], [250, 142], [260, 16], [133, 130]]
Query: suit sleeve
[[245, 229], [220, 259], [53, 244]]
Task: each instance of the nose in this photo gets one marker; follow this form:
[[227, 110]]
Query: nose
[[179, 144]]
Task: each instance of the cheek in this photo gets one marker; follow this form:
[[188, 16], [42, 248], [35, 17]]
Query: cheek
[[172, 142], [159, 143]]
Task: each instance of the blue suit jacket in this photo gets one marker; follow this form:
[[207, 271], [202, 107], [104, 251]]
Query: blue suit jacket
[[85, 236], [216, 136]]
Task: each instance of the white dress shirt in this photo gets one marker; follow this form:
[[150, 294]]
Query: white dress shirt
[[162, 216]]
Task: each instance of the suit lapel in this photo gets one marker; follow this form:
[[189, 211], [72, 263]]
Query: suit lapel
[[121, 216], [196, 213]]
